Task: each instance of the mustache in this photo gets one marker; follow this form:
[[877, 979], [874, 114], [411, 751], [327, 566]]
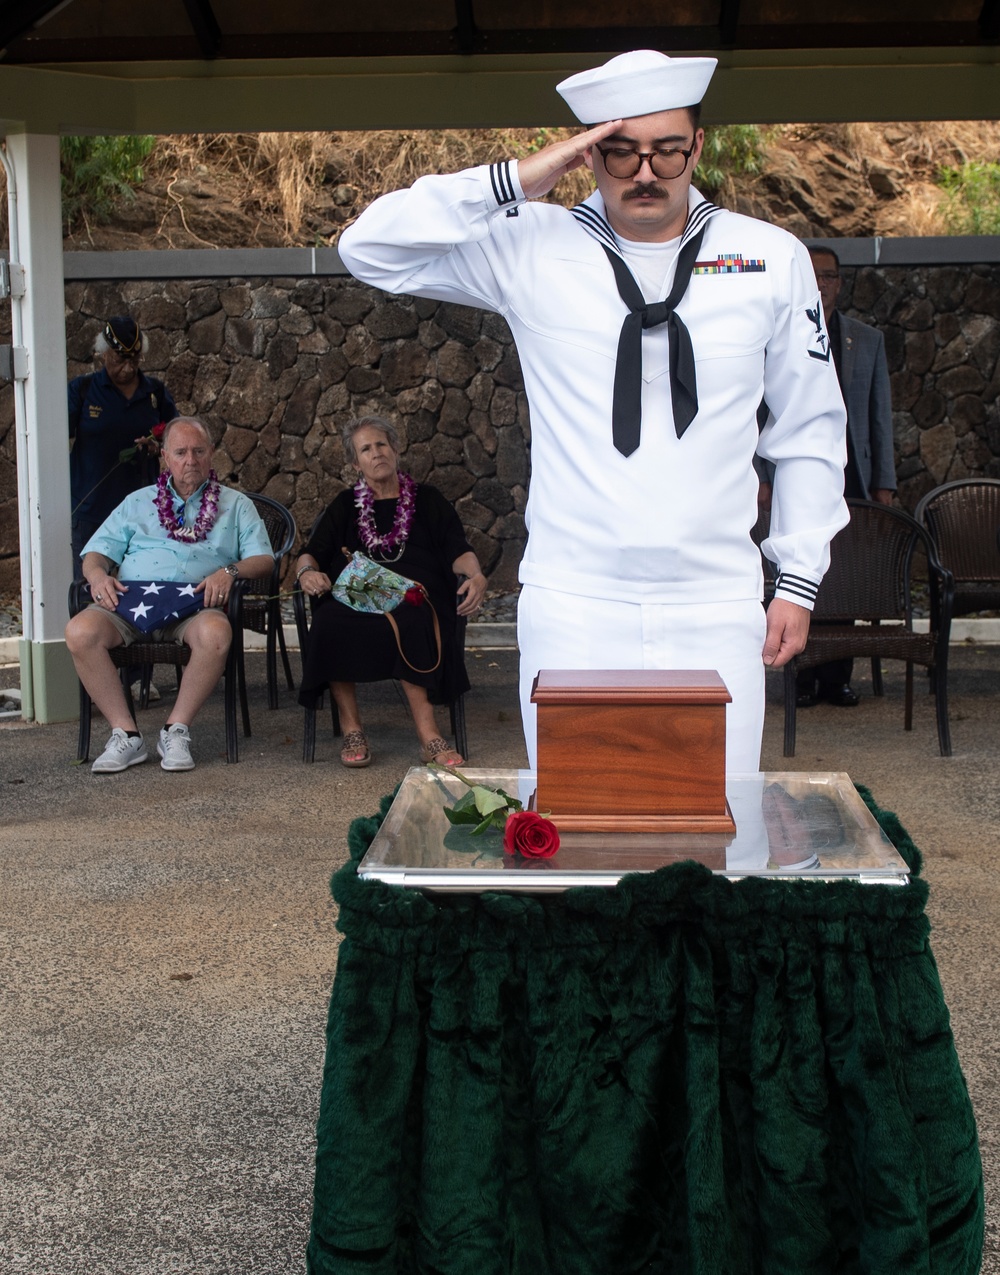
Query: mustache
[[644, 188]]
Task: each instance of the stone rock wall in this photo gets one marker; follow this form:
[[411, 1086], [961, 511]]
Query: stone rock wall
[[942, 338], [275, 365]]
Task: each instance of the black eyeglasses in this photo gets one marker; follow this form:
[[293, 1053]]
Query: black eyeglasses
[[621, 161], [827, 276]]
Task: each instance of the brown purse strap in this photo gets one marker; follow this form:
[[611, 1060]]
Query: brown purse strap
[[437, 636]]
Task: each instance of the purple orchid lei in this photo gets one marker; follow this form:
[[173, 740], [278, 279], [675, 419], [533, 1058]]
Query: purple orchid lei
[[208, 511], [364, 501]]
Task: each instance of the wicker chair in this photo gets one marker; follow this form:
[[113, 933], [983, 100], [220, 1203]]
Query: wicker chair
[[145, 654], [456, 708], [963, 518], [871, 561], [261, 603]]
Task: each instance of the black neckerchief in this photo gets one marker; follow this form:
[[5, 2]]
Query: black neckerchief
[[626, 413]]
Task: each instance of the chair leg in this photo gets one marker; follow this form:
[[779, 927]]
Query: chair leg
[[877, 687], [241, 681], [83, 738], [272, 663], [941, 706], [790, 693], [309, 735], [458, 726], [289, 680], [232, 680], [908, 711], [145, 681]]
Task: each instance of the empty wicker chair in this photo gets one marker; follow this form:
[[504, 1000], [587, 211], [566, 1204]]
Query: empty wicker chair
[[869, 580], [963, 518]]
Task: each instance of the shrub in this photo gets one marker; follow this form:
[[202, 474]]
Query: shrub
[[972, 198], [99, 173], [730, 151]]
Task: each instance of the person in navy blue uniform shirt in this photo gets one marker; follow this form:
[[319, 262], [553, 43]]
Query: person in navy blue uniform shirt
[[111, 410]]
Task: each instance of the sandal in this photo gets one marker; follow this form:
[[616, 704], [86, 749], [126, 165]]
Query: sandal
[[353, 741], [440, 751]]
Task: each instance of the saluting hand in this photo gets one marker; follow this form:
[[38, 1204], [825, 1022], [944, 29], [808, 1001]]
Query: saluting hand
[[538, 173]]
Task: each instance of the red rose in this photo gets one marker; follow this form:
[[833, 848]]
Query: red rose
[[414, 595], [529, 835], [158, 430]]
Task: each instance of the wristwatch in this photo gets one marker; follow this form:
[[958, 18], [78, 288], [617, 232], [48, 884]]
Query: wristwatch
[[231, 569]]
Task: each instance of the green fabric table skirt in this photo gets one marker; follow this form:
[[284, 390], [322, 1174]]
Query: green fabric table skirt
[[681, 1074]]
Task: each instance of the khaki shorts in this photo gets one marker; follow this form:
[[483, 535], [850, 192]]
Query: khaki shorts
[[129, 633]]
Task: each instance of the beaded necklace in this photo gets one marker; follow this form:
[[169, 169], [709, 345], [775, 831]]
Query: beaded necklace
[[364, 502], [208, 511]]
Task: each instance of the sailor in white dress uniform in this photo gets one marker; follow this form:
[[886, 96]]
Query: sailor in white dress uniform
[[643, 389]]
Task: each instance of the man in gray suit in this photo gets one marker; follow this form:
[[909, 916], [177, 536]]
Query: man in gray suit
[[859, 354]]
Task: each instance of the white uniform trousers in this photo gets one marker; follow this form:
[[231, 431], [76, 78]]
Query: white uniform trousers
[[566, 631]]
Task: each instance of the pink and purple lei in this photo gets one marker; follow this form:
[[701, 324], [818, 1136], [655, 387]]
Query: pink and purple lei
[[208, 511], [364, 501]]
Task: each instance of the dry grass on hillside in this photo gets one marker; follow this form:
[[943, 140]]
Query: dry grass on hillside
[[311, 185], [913, 153], [267, 189], [308, 179]]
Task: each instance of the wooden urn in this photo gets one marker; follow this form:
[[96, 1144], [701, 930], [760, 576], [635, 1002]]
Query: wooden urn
[[641, 750]]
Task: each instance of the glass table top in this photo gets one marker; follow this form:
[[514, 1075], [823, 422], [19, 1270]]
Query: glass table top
[[790, 825]]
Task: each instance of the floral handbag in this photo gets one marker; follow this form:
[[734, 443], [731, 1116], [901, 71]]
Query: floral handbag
[[370, 587]]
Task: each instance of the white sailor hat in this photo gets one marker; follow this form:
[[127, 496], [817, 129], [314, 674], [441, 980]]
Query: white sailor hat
[[636, 83]]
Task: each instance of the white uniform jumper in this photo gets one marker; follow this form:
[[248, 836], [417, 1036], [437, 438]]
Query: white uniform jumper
[[665, 532]]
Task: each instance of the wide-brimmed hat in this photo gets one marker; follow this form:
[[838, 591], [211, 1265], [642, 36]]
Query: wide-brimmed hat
[[636, 83]]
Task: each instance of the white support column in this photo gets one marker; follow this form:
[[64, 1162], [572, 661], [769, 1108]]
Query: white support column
[[48, 683]]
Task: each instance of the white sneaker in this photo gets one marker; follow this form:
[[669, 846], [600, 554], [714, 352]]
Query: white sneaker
[[174, 747], [121, 751]]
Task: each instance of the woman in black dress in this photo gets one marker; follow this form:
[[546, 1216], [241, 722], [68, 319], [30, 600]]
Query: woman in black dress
[[412, 529]]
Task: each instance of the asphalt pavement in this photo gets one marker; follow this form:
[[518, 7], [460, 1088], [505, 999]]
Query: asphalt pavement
[[169, 943]]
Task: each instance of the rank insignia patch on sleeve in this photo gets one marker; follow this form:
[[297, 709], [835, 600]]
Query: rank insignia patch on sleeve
[[818, 346]]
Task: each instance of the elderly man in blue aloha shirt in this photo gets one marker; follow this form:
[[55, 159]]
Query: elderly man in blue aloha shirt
[[186, 528]]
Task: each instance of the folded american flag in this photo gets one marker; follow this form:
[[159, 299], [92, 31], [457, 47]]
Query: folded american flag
[[152, 604]]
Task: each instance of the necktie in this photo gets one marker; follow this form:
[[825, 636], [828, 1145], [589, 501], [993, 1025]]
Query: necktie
[[626, 411]]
